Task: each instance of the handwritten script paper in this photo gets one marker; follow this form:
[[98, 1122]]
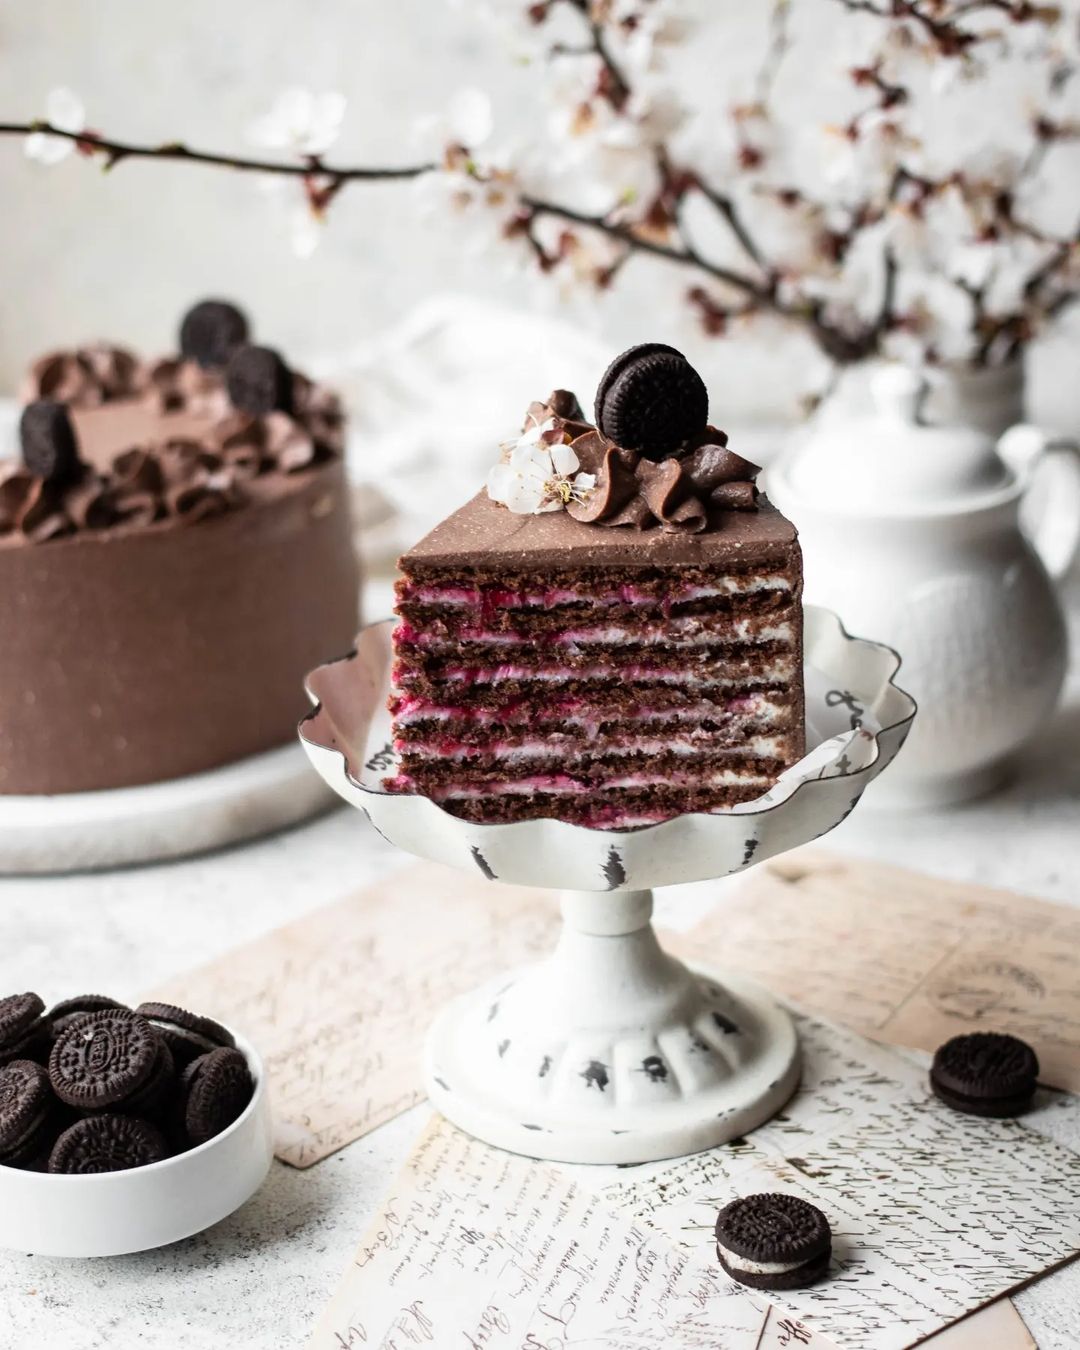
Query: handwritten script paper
[[338, 1002], [478, 1248], [906, 958], [933, 1213]]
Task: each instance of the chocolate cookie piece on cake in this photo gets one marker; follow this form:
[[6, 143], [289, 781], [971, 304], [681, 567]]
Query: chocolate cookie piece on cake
[[773, 1241], [985, 1073], [607, 635]]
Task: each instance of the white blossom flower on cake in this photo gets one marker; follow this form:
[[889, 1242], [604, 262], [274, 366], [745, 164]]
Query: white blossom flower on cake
[[539, 472]]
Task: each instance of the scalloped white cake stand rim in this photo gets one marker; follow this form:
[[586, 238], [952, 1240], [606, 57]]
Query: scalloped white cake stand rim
[[610, 1050], [80, 831]]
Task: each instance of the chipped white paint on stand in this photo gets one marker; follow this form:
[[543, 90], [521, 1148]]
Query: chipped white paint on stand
[[612, 1051]]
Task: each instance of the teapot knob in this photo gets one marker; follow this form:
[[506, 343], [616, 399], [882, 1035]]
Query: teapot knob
[[898, 392]]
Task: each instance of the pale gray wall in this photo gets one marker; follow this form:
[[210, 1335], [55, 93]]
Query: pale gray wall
[[85, 255]]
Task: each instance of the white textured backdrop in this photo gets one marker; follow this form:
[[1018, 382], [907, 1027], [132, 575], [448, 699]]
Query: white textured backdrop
[[85, 255]]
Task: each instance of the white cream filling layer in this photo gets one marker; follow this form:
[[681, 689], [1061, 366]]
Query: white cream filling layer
[[741, 1263], [762, 747], [778, 669], [724, 586]]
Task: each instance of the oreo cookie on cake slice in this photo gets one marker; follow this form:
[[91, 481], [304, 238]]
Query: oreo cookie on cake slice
[[651, 399], [773, 1241], [985, 1073], [186, 1034]]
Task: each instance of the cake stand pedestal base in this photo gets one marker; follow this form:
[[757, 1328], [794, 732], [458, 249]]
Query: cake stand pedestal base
[[610, 1050]]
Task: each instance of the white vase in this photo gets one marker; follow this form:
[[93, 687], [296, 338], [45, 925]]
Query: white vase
[[910, 521]]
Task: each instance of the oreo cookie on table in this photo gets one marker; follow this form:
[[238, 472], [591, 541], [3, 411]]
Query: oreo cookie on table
[[104, 1058], [24, 1031], [27, 1113], [652, 400], [107, 1143], [985, 1073], [214, 1090], [773, 1241], [211, 332], [186, 1034]]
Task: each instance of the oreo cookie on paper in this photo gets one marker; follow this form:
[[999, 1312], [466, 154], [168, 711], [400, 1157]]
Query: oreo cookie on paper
[[651, 399], [985, 1073], [773, 1241]]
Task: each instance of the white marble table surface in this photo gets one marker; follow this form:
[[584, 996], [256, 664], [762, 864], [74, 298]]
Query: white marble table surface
[[259, 1278]]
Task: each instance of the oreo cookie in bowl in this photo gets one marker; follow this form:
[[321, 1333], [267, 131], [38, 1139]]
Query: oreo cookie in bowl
[[123, 1129]]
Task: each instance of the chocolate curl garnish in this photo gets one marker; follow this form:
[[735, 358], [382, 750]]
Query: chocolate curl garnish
[[290, 445], [735, 496], [41, 516], [666, 489], [710, 465], [138, 470], [209, 493], [14, 490], [84, 377], [319, 410], [615, 481], [563, 406]]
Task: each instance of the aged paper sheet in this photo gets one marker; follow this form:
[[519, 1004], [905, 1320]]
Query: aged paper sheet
[[477, 1248], [904, 957], [933, 1213], [338, 1002]]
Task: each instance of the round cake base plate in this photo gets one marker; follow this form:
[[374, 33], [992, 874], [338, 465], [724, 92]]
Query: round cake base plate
[[79, 831], [611, 1051]]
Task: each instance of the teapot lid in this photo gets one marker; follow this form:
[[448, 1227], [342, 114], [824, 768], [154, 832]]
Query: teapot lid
[[891, 460]]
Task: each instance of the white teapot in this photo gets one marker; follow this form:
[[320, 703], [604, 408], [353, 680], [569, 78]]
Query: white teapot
[[912, 534]]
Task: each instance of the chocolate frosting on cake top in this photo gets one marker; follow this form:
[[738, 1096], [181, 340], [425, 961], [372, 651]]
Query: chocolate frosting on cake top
[[652, 460], [159, 446]]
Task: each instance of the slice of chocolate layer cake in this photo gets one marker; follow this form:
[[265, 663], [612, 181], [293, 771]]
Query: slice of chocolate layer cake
[[611, 634]]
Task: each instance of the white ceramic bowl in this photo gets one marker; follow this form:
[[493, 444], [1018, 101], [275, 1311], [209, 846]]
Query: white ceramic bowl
[[109, 1213]]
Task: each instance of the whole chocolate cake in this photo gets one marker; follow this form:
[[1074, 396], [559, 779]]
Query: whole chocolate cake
[[611, 633], [175, 554]]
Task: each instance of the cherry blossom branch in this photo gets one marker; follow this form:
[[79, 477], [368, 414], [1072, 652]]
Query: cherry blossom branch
[[115, 152]]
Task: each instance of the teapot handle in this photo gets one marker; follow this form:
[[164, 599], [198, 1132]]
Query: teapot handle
[[1054, 529]]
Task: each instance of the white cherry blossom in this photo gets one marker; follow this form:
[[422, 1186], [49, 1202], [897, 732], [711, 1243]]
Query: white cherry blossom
[[63, 110], [301, 121], [539, 472]]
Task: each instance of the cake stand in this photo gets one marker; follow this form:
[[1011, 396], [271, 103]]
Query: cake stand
[[610, 1050]]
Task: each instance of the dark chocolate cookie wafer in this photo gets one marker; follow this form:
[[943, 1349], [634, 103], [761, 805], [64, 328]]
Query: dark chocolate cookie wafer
[[186, 1034], [103, 1058], [107, 1144], [24, 1032], [211, 332], [259, 381], [153, 1097], [651, 399], [47, 439], [215, 1089], [985, 1073], [69, 1010], [773, 1241], [26, 1111]]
